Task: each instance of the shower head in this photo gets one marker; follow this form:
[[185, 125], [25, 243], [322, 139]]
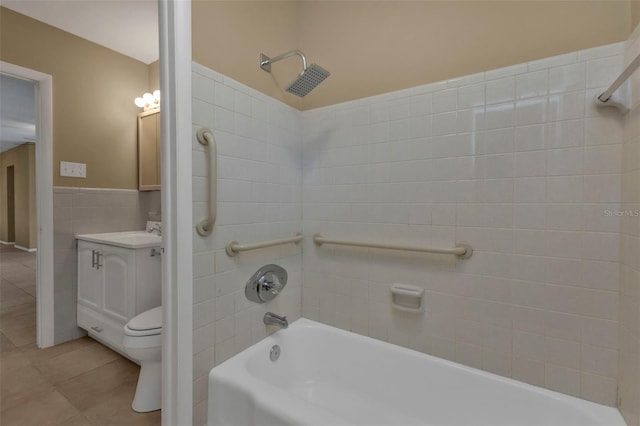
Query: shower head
[[307, 80]]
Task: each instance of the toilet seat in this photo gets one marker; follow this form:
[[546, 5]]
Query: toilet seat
[[147, 321], [146, 324], [144, 330], [132, 342]]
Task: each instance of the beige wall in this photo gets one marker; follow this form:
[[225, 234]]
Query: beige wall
[[154, 75], [228, 37], [94, 117], [373, 47], [22, 158], [635, 13]]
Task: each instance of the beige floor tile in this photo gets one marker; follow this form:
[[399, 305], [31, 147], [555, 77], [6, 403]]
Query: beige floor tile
[[30, 263], [47, 409], [21, 316], [37, 355], [117, 411], [8, 306], [23, 308], [11, 263], [13, 360], [91, 388], [10, 291], [78, 420], [19, 334], [21, 384], [29, 289], [19, 273], [6, 345], [22, 284], [71, 364]]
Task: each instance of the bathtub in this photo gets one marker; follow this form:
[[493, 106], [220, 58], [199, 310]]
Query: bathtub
[[327, 376]]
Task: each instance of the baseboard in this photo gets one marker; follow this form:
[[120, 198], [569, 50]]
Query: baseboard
[[25, 249], [7, 243]]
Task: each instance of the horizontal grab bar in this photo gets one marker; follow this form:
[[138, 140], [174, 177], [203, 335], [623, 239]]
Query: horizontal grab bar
[[462, 249], [233, 247]]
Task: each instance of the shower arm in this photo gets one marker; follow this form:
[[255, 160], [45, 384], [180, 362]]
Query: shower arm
[[265, 61]]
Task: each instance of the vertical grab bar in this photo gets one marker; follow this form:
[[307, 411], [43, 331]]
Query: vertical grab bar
[[205, 137]]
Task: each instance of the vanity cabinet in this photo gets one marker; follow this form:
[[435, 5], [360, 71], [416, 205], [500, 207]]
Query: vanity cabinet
[[114, 285]]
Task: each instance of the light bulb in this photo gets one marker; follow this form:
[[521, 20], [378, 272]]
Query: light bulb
[[156, 95], [139, 102], [148, 98]]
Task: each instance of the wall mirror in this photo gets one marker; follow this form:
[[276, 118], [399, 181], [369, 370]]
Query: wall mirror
[[149, 150]]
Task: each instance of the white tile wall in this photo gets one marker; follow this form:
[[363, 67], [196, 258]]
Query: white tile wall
[[629, 359], [88, 211], [259, 190], [515, 161]]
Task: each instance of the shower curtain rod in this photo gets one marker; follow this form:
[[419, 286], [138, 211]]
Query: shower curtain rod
[[606, 95]]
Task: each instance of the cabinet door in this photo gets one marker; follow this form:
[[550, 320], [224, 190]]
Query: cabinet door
[[149, 150], [118, 282], [148, 279], [89, 285]]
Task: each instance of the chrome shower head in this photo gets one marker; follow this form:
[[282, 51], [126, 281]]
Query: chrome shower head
[[307, 80]]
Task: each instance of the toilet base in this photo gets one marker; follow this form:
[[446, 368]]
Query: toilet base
[[149, 389]]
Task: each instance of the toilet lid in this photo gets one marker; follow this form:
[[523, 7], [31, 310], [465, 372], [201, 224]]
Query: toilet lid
[[148, 320]]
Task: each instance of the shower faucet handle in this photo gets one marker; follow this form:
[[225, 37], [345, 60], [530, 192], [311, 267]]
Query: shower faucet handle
[[266, 283], [271, 283]]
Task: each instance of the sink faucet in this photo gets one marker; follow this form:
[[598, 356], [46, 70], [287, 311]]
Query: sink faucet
[[272, 319], [157, 227]]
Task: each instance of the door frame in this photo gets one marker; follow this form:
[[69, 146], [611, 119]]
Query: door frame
[[10, 193], [44, 199], [177, 231]]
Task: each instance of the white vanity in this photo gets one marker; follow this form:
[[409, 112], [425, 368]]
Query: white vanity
[[119, 276]]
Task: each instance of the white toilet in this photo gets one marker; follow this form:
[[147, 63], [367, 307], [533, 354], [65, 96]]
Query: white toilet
[[143, 341]]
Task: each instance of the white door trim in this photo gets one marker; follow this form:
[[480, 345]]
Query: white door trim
[[177, 231], [44, 199]]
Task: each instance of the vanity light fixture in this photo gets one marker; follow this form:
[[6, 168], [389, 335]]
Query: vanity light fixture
[[148, 100]]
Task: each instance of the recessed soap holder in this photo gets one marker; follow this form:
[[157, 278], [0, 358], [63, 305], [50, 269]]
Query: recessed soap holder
[[407, 298]]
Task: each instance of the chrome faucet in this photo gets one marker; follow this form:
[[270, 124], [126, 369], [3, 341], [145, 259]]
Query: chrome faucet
[[272, 319], [157, 228]]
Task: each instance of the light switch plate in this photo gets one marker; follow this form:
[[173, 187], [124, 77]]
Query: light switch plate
[[76, 170]]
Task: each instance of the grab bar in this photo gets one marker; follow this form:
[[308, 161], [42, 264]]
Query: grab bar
[[233, 247], [205, 137], [462, 249]]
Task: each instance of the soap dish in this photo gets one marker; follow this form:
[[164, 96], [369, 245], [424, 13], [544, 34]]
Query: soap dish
[[407, 297]]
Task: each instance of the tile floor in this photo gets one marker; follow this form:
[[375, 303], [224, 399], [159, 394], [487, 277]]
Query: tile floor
[[78, 383]]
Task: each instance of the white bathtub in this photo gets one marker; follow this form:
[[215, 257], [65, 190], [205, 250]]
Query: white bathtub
[[327, 376]]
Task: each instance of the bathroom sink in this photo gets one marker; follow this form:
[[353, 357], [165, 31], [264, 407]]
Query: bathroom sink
[[129, 239]]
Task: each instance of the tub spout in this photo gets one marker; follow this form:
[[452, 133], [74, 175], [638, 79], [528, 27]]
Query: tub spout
[[272, 319]]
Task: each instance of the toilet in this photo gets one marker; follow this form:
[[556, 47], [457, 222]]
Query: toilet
[[143, 342]]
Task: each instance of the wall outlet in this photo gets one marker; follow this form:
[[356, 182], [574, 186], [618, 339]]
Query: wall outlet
[[76, 170]]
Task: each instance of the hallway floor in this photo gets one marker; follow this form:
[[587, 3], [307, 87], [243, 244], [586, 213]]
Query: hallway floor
[[78, 383]]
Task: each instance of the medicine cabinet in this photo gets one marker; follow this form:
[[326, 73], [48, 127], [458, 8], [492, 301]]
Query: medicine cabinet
[[149, 150]]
